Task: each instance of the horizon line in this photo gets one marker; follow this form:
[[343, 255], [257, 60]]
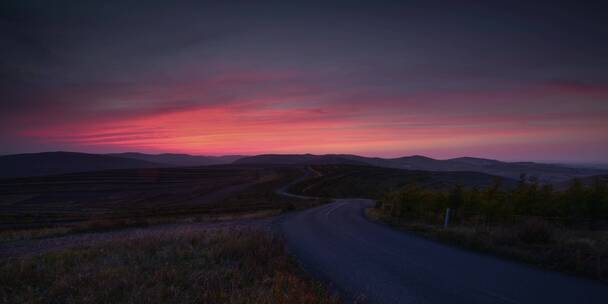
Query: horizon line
[[594, 162]]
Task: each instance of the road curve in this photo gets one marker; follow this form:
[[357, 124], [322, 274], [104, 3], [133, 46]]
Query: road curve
[[363, 259]]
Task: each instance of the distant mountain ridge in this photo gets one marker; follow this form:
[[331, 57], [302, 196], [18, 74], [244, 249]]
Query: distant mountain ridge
[[180, 160], [51, 163], [548, 173]]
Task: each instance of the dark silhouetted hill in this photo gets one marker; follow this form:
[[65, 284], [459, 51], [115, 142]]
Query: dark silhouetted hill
[[180, 160], [588, 181], [547, 173], [51, 163], [341, 180], [302, 159]]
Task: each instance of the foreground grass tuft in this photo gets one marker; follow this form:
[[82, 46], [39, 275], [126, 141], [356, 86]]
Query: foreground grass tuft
[[217, 266]]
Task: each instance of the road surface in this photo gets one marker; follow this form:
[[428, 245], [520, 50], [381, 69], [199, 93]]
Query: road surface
[[367, 260]]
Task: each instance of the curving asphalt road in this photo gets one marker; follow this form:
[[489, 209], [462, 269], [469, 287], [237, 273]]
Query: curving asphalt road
[[369, 261]]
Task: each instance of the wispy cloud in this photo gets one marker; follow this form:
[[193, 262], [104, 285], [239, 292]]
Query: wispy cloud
[[242, 78]]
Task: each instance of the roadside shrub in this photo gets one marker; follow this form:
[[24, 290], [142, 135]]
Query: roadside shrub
[[561, 229], [289, 207], [579, 205], [535, 231]]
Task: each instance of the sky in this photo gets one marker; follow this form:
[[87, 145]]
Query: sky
[[510, 80]]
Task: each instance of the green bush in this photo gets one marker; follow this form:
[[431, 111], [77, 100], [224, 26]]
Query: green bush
[[579, 204]]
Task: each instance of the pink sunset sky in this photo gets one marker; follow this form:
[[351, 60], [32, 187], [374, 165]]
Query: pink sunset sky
[[305, 81]]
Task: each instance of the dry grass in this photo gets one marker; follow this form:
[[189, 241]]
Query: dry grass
[[254, 201], [583, 253], [217, 266], [27, 234], [103, 225], [40, 202]]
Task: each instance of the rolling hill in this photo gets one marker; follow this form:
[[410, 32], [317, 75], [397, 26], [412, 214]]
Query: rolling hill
[[141, 193], [302, 159], [180, 160], [346, 181], [51, 163], [547, 173]]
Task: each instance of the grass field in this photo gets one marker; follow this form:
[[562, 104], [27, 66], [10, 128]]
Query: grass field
[[216, 266], [190, 265], [343, 181], [93, 201]]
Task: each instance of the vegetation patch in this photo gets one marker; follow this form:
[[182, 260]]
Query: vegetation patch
[[560, 230], [216, 266], [347, 181], [161, 196]]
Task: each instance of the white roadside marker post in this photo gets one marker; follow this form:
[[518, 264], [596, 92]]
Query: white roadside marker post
[[446, 221]]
